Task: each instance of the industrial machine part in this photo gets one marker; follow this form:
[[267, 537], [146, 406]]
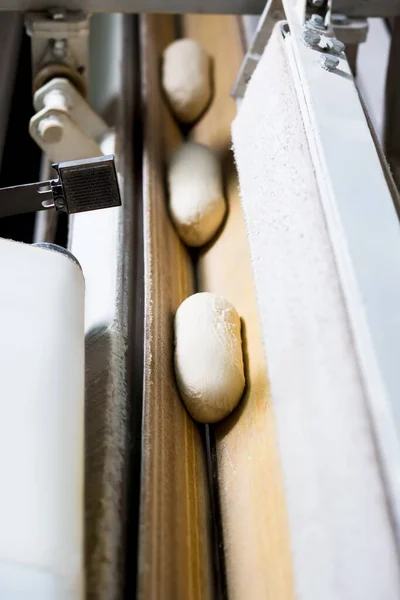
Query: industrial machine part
[[42, 392], [82, 185], [327, 130], [353, 8], [65, 126], [59, 45], [295, 493], [320, 30]]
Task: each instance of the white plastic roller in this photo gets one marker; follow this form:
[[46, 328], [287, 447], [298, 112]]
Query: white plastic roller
[[41, 424]]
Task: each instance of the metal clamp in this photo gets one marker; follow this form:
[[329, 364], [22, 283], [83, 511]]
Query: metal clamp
[[318, 21], [82, 185], [60, 47]]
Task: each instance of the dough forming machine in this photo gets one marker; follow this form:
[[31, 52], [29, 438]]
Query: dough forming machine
[[110, 489]]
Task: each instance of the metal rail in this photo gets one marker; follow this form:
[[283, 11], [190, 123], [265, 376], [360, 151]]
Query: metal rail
[[356, 8]]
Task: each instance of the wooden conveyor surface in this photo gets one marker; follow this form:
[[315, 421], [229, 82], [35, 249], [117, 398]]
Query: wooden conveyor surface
[[176, 543]]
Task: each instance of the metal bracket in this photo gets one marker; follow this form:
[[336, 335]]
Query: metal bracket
[[60, 47], [65, 126], [82, 185], [272, 13], [315, 14]]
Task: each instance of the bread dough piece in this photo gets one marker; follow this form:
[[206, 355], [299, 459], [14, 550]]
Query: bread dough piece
[[186, 79], [196, 202], [208, 356]]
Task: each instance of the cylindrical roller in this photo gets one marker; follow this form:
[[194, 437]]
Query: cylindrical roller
[[208, 356], [41, 424], [186, 79], [196, 202]]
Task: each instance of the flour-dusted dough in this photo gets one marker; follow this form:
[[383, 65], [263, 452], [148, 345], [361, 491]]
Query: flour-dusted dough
[[186, 79], [196, 202], [208, 356]]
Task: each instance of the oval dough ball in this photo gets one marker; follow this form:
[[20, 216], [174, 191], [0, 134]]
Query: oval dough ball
[[186, 79], [208, 356], [196, 202]]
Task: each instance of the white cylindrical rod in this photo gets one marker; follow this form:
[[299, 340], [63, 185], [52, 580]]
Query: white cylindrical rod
[[41, 424]]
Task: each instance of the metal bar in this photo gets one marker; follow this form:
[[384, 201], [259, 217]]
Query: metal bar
[[20, 199], [355, 8], [143, 6], [272, 13], [45, 221]]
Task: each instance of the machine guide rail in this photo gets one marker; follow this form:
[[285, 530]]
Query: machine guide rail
[[82, 185]]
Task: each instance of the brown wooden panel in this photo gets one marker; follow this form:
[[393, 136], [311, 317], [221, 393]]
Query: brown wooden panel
[[255, 529], [174, 548]]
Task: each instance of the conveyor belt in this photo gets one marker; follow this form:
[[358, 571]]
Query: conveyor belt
[[252, 531]]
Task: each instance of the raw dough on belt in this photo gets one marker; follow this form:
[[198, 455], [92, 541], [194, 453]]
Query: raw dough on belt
[[208, 356], [186, 79], [196, 202]]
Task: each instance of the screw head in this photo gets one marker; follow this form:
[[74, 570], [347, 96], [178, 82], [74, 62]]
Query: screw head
[[57, 14], [316, 22], [50, 129], [335, 46], [59, 202], [329, 62], [59, 49], [311, 38]]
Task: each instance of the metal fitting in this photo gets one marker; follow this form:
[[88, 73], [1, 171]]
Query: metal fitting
[[329, 62], [59, 49], [50, 129], [335, 46], [316, 22], [311, 38], [57, 14], [317, 3]]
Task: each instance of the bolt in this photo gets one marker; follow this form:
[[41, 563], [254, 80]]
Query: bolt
[[317, 3], [316, 22], [59, 49], [311, 38], [56, 14], [50, 129], [59, 202], [335, 46], [329, 62]]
